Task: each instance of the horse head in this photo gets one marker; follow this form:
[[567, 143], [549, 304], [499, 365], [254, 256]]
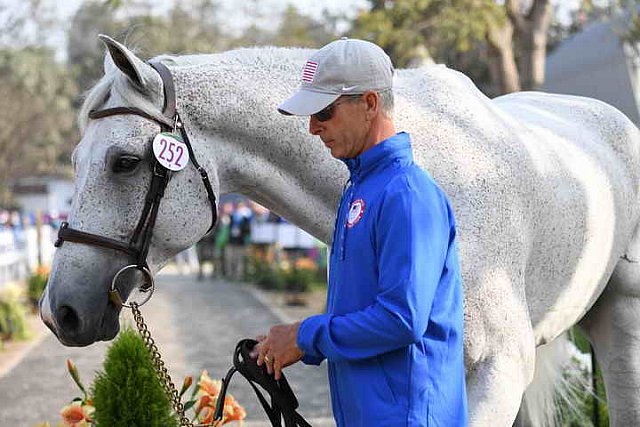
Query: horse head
[[113, 168]]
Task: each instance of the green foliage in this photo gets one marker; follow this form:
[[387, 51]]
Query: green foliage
[[85, 52], [295, 29], [402, 27], [580, 340], [265, 275], [190, 26], [127, 392], [35, 287], [581, 414], [630, 33], [299, 279], [13, 324], [38, 131]]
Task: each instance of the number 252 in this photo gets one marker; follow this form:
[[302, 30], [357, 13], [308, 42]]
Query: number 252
[[168, 148]]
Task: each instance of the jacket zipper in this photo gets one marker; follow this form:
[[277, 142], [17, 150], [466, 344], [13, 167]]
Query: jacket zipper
[[351, 192]]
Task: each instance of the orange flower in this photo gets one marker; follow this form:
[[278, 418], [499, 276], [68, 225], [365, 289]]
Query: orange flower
[[205, 408], [77, 415], [233, 411], [206, 416], [43, 270], [305, 263], [205, 401], [209, 386]]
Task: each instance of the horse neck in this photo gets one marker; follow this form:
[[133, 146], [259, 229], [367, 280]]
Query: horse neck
[[259, 153]]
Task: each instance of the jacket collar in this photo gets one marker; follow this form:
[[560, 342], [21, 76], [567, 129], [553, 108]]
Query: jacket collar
[[394, 149]]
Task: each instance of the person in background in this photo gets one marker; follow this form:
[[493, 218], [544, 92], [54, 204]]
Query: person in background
[[221, 236], [239, 239]]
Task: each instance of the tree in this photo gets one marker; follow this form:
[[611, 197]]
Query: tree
[[127, 392], [295, 29], [38, 130], [30, 24], [189, 27], [512, 35], [85, 52]]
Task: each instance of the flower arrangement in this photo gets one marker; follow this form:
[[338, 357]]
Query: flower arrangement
[[128, 393]]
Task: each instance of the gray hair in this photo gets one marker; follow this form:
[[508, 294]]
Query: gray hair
[[386, 102]]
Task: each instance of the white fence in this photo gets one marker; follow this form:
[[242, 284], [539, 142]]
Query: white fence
[[285, 235], [19, 249], [19, 252]]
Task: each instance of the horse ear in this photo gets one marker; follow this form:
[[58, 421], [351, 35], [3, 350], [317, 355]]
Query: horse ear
[[138, 72], [108, 64]]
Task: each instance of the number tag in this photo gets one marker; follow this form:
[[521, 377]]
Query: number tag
[[170, 151]]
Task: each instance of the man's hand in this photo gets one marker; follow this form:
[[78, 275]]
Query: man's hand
[[279, 349]]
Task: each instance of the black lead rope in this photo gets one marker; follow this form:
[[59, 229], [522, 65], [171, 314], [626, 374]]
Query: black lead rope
[[283, 402]]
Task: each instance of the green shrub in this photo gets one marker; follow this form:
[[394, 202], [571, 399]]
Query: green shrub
[[128, 393], [580, 411], [271, 278], [35, 287], [265, 275], [13, 323], [299, 280]]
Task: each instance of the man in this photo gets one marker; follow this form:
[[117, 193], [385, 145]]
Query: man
[[392, 334]]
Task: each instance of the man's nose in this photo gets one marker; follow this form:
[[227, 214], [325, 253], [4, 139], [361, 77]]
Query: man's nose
[[314, 126]]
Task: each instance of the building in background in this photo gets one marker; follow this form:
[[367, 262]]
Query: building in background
[[597, 64], [49, 195]]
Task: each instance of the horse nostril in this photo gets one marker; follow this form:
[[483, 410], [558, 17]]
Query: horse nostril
[[68, 319]]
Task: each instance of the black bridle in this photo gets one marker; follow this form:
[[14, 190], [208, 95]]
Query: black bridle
[[138, 246]]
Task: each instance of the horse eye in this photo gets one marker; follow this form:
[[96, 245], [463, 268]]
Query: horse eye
[[125, 164]]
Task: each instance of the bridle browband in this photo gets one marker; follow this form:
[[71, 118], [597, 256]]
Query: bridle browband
[[138, 246]]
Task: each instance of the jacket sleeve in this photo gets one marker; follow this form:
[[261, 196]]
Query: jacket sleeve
[[412, 234]]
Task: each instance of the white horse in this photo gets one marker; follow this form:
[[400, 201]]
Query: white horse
[[544, 188]]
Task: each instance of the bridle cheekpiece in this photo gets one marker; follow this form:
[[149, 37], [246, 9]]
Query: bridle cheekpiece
[[138, 246]]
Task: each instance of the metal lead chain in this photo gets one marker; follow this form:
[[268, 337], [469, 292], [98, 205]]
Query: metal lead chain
[[161, 369]]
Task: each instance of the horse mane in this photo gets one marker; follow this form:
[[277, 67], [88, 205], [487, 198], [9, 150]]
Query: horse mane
[[115, 82]]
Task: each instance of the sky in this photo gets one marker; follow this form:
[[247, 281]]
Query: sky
[[234, 11]]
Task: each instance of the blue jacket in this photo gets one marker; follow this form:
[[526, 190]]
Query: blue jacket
[[392, 334]]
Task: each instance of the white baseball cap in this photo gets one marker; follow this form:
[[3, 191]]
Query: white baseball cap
[[343, 67]]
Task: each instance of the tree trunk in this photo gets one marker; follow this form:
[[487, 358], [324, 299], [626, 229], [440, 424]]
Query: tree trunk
[[532, 35], [502, 64]]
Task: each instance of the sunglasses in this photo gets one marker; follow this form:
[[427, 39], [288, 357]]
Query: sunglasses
[[327, 112]]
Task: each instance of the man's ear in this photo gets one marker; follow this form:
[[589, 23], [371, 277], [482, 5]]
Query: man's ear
[[371, 103]]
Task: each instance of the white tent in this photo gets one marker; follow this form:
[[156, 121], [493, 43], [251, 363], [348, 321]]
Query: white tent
[[595, 63]]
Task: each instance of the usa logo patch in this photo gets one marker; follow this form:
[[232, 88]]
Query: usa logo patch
[[309, 71], [355, 212]]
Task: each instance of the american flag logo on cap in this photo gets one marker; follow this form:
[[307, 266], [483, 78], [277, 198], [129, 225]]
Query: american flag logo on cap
[[309, 71]]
